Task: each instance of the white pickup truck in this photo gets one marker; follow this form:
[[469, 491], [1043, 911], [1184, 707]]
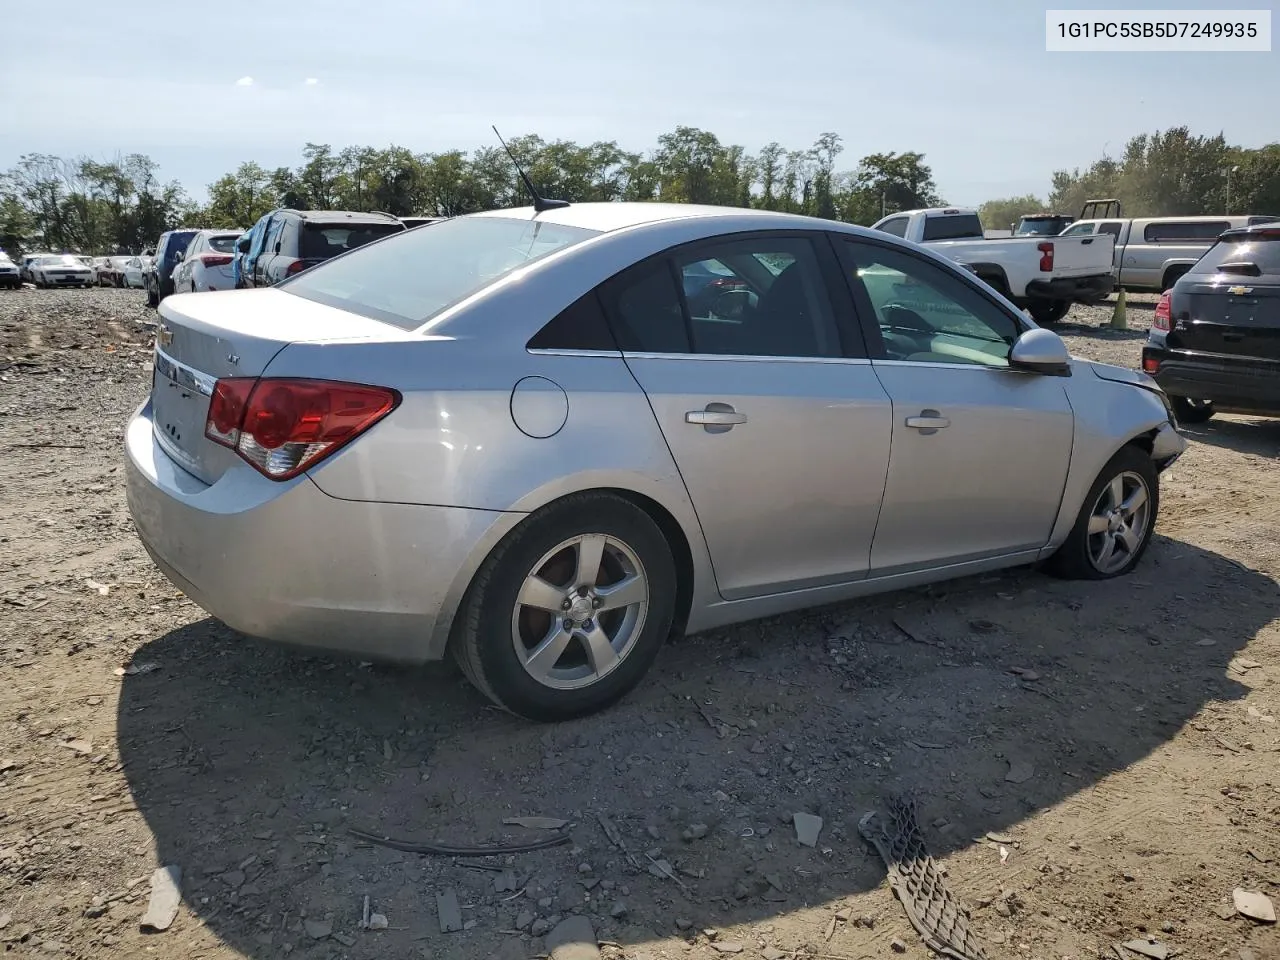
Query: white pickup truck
[[1044, 275]]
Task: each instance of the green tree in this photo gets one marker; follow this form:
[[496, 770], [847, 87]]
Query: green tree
[[1003, 214]]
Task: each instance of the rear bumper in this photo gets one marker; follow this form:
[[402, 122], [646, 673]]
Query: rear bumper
[[1241, 383], [288, 563], [1089, 289]]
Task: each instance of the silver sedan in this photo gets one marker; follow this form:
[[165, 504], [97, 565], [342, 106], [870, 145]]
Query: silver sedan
[[542, 441]]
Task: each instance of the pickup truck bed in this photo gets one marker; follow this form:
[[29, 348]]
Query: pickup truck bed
[[1044, 275]]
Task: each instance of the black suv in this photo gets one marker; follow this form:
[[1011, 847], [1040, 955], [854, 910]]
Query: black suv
[[158, 280], [296, 239], [1215, 337]]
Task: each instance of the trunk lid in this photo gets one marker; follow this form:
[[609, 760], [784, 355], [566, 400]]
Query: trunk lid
[[204, 337]]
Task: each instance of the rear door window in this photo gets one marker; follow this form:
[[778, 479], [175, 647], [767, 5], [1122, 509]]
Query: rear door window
[[897, 226], [1174, 231], [321, 241]]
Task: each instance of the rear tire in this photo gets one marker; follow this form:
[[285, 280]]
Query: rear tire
[[524, 594], [152, 299], [1048, 312], [1188, 410], [1113, 528]]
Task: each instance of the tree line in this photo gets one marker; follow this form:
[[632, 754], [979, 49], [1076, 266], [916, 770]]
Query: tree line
[[93, 206], [1169, 173]]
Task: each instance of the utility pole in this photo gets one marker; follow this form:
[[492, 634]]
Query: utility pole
[[1230, 171]]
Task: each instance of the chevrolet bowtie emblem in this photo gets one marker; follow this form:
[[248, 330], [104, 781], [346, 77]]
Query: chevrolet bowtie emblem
[[1239, 291], [164, 335]]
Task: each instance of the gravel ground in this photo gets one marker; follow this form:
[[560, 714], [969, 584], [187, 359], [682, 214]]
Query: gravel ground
[[1095, 763]]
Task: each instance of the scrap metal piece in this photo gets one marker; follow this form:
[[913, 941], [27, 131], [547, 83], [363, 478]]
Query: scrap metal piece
[[936, 914]]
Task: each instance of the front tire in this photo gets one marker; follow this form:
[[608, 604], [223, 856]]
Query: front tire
[[1113, 528], [1188, 410], [1048, 312], [569, 611], [152, 299]]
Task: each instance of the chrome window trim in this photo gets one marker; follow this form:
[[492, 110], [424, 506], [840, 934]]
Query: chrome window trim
[[715, 357]]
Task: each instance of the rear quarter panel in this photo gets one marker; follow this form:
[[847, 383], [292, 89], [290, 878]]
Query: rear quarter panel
[[453, 440]]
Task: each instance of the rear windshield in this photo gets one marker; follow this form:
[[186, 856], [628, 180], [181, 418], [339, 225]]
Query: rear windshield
[[410, 278], [961, 227], [320, 241], [1261, 250], [225, 244], [1042, 227]]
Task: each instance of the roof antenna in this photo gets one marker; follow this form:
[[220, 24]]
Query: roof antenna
[[540, 203]]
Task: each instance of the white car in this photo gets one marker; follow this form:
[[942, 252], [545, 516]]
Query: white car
[[61, 270], [133, 268], [9, 276], [207, 263]]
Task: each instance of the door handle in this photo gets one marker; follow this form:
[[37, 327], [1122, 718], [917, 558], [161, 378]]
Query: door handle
[[929, 421], [715, 418]]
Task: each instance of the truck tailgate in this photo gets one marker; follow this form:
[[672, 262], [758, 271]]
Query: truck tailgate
[[1082, 256]]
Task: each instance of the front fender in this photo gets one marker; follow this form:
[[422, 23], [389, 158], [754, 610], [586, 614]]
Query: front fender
[[1109, 414]]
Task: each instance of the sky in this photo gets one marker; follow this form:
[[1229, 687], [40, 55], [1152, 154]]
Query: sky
[[203, 87]]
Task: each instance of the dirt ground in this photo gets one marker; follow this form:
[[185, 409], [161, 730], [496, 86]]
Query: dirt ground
[[1130, 773]]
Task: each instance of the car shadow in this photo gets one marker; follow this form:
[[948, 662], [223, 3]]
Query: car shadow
[[1090, 332], [1241, 432], [988, 698]]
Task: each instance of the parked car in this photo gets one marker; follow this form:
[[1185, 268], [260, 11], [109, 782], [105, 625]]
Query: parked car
[[1215, 336], [206, 264], [9, 274], [1151, 253], [134, 267], [25, 268], [61, 270], [1042, 224], [158, 280], [411, 222], [249, 248], [293, 240], [506, 437], [1044, 276], [109, 271]]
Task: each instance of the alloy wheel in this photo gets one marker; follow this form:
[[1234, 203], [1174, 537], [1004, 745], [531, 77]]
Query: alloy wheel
[[580, 611], [1118, 523]]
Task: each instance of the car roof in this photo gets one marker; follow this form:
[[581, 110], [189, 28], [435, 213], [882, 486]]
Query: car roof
[[1269, 229], [608, 217], [335, 216]]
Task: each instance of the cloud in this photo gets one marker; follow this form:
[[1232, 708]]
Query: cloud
[[245, 82], [311, 81]]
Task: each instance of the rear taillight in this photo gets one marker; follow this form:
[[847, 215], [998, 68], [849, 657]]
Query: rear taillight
[[1164, 313], [1046, 257], [1150, 365], [214, 259], [282, 427], [296, 267]]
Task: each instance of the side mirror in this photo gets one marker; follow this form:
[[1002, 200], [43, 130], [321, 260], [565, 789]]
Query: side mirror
[[1041, 351], [243, 245], [277, 246]]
